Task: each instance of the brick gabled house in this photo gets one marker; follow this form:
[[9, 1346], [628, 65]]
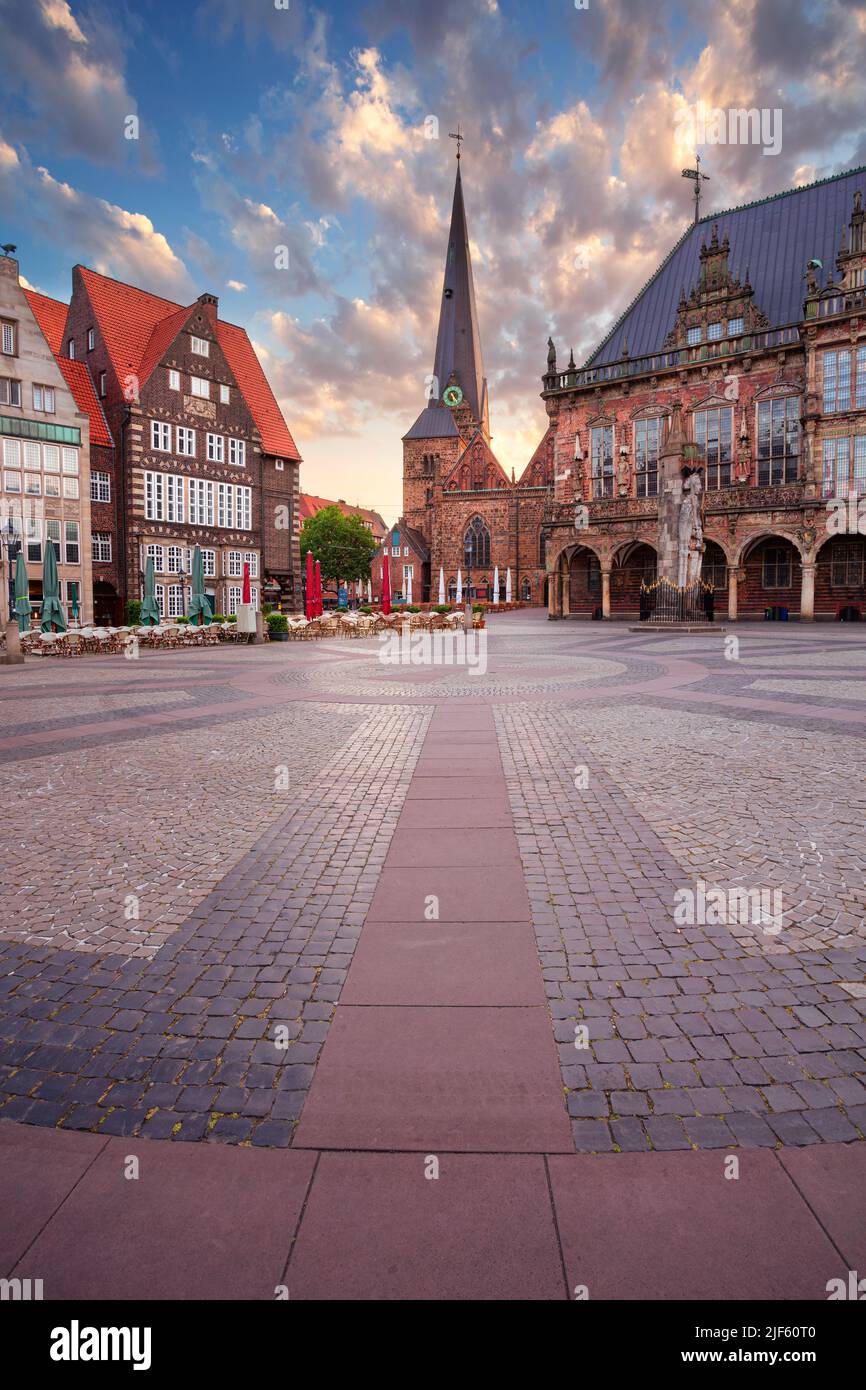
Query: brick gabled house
[[203, 454]]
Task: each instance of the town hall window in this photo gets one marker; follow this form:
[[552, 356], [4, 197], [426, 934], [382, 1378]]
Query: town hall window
[[713, 430], [646, 456], [778, 441], [476, 542], [776, 569], [602, 461]]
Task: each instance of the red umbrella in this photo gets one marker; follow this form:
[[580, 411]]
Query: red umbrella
[[386, 584], [310, 607], [320, 607], [246, 593]]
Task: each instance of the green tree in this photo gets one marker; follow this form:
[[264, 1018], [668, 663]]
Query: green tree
[[342, 544]]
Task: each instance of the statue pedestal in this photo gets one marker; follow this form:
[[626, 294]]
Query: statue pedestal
[[13, 655]]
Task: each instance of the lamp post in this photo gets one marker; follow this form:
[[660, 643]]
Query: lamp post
[[11, 544], [181, 578]]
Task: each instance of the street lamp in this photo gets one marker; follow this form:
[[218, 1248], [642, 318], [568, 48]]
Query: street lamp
[[181, 577], [11, 539]]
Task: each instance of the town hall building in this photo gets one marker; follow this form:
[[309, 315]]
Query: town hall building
[[744, 357]]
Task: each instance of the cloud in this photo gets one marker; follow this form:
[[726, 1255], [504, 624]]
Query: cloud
[[66, 75]]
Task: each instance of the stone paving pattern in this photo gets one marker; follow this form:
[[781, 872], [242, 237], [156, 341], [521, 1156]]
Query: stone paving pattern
[[252, 901]]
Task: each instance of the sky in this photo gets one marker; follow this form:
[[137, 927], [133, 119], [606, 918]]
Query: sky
[[323, 129]]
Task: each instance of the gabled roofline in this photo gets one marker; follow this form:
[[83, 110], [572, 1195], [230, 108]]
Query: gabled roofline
[[709, 219]]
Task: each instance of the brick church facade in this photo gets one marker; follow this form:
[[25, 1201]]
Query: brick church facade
[[745, 354]]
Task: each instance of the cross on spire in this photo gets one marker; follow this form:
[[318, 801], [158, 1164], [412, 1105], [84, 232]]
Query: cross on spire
[[458, 137], [697, 176]]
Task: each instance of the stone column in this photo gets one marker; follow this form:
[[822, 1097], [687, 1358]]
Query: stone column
[[553, 599], [807, 593], [733, 576], [605, 591], [565, 580]]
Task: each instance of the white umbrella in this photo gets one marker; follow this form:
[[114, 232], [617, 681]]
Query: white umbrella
[[459, 587], [441, 585], [496, 585], [370, 590], [409, 587], [508, 585]]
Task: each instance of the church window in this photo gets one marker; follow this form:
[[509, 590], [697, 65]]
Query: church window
[[602, 461], [776, 567], [713, 430], [646, 454], [476, 542], [542, 549], [778, 441], [526, 591]]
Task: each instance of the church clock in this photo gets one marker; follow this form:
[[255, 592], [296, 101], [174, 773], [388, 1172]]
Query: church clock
[[452, 396]]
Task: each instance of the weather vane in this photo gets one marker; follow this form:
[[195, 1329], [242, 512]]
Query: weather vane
[[697, 176], [458, 137]]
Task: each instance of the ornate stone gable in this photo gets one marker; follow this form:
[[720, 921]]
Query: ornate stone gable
[[477, 468], [719, 306]]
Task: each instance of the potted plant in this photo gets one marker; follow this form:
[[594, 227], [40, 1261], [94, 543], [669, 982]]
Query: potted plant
[[133, 612], [278, 627]]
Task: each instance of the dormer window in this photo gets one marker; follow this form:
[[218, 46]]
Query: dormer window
[[714, 332], [9, 337], [200, 346], [91, 339], [70, 349], [693, 336], [735, 326], [200, 387]]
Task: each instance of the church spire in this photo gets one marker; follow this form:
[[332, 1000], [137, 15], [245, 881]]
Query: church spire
[[458, 342]]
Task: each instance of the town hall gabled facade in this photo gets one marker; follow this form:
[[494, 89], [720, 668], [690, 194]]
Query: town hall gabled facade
[[744, 355]]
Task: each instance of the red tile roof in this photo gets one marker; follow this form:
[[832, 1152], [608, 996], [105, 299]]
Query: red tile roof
[[50, 314], [51, 317], [138, 327], [311, 504]]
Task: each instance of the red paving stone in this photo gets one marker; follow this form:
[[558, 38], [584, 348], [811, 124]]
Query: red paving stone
[[376, 1228], [38, 1170], [463, 894], [441, 963], [671, 1226], [832, 1179]]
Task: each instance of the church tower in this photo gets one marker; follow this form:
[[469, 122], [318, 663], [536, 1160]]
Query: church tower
[[456, 391]]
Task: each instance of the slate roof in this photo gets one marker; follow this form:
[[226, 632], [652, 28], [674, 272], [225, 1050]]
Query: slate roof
[[773, 239], [138, 328], [434, 422], [50, 314]]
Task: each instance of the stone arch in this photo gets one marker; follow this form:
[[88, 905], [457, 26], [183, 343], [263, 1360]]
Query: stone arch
[[749, 542], [770, 566], [633, 561], [840, 576]]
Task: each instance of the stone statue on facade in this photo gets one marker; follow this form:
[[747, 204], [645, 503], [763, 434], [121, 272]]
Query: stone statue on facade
[[690, 532]]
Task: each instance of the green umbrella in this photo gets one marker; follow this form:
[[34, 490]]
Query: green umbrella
[[150, 607], [22, 593], [199, 608], [52, 608]]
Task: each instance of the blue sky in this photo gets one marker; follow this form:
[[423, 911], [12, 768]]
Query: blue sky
[[305, 127]]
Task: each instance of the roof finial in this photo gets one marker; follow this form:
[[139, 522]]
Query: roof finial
[[458, 137], [697, 176]]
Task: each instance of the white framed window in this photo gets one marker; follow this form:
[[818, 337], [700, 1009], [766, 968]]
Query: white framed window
[[70, 349], [70, 487], [70, 460], [33, 536], [175, 600], [186, 441], [408, 571], [160, 436], [72, 546], [216, 448], [10, 391], [156, 553], [200, 346], [173, 379], [225, 394], [12, 480], [31, 455], [395, 551], [177, 559], [12, 453], [238, 452], [252, 559], [100, 546], [200, 387], [601, 451], [234, 564], [208, 563], [405, 550], [43, 399], [244, 509], [200, 502], [52, 534], [154, 496], [50, 458], [225, 505], [33, 483], [52, 485], [279, 465], [91, 339], [235, 593], [174, 509], [8, 338], [100, 487], [159, 595], [102, 383]]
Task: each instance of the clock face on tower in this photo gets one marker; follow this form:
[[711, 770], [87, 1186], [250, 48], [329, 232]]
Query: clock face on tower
[[452, 396]]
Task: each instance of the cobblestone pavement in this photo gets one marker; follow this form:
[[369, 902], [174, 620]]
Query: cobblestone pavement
[[197, 838]]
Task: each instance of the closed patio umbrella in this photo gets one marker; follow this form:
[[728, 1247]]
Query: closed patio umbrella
[[496, 585], [199, 605], [22, 594], [409, 587], [52, 608], [508, 585], [386, 584], [320, 606], [149, 606], [459, 587], [441, 585], [310, 605]]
